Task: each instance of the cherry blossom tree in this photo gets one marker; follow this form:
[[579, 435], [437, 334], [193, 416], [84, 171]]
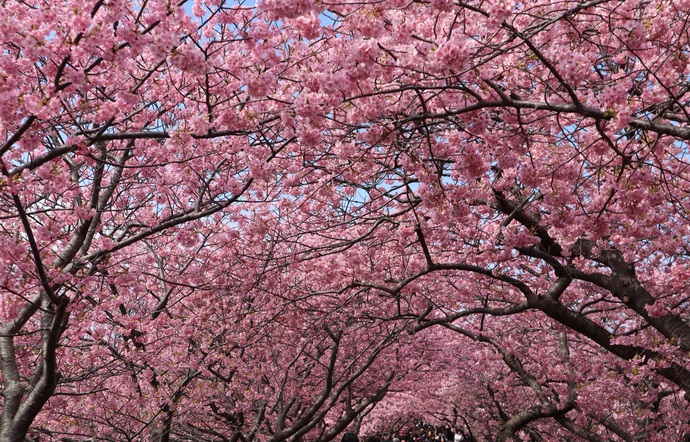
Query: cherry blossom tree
[[129, 136], [238, 221], [527, 161]]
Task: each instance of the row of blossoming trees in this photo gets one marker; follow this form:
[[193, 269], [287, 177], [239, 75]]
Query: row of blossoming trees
[[231, 221]]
